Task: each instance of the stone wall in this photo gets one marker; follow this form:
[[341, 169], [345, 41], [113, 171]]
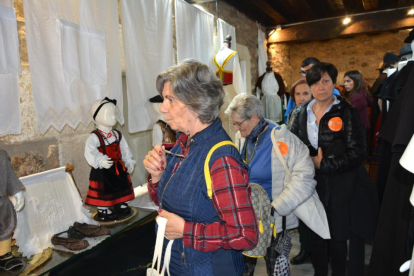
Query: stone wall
[[360, 52]]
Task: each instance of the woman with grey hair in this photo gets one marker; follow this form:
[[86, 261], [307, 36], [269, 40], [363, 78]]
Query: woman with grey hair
[[286, 192], [209, 229]]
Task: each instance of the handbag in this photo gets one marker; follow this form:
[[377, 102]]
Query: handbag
[[162, 223], [311, 211], [283, 247]]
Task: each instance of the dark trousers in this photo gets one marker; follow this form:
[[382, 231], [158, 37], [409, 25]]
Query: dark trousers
[[337, 251], [270, 259], [304, 237]]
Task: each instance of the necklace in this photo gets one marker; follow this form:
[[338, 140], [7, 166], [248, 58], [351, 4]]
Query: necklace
[[246, 159], [106, 134]]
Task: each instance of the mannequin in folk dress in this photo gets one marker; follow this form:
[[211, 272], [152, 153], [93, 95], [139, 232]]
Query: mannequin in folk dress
[[271, 88], [108, 154], [162, 134], [228, 70], [11, 186]]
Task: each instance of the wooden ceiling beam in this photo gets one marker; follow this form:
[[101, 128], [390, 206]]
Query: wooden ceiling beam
[[370, 5], [333, 28], [405, 3], [353, 6], [299, 9], [264, 6]]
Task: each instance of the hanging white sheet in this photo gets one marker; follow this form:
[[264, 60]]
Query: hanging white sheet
[[74, 59], [261, 52], [52, 204], [224, 29], [148, 48], [10, 70], [194, 33]]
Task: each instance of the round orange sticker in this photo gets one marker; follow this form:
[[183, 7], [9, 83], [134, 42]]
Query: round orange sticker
[[335, 124], [284, 149]]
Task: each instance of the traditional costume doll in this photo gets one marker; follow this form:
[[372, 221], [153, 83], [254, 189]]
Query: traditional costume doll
[[10, 185], [111, 160]]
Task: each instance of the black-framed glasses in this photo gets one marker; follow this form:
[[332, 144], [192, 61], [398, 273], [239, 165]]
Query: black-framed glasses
[[239, 124]]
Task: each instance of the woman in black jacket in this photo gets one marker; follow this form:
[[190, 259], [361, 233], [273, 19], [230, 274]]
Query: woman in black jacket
[[335, 136]]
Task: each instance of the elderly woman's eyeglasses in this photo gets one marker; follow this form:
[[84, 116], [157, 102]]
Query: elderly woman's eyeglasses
[[303, 72], [239, 124]]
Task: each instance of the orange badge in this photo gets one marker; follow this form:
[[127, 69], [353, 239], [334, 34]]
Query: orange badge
[[283, 148], [335, 124]]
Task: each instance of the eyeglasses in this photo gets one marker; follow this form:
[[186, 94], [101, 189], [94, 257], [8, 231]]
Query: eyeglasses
[[303, 72], [239, 124]]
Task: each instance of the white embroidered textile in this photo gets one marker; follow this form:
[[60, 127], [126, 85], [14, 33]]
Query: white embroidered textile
[[224, 29], [194, 33], [74, 59], [52, 204], [261, 52], [148, 48], [10, 122]]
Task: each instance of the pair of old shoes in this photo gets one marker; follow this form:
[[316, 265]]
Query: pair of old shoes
[[12, 264], [76, 233]]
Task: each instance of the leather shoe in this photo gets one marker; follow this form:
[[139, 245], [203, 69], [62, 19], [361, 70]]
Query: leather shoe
[[122, 210], [90, 230], [104, 216], [300, 258], [69, 243]]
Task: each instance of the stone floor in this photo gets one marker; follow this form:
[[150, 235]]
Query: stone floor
[[305, 269]]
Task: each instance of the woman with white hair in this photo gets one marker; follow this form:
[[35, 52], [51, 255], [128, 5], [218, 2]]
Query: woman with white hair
[[285, 192]]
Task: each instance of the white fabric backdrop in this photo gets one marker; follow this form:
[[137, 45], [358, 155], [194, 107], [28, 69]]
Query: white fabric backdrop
[[52, 204], [194, 33], [261, 52], [224, 29], [68, 41], [10, 122], [148, 48]]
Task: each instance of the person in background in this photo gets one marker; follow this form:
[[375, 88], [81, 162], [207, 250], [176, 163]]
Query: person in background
[[285, 193], [335, 136], [209, 233], [300, 93], [356, 92]]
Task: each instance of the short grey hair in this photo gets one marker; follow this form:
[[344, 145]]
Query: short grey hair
[[244, 106], [196, 86]]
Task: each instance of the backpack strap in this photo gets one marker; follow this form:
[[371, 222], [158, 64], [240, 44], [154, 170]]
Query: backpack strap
[[207, 175]]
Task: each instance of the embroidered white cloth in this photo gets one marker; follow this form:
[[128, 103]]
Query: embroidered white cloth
[[261, 52], [148, 40], [52, 204], [10, 122], [224, 29], [194, 33], [74, 57]]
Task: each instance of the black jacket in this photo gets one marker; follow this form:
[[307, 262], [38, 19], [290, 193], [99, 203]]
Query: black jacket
[[352, 134], [349, 198]]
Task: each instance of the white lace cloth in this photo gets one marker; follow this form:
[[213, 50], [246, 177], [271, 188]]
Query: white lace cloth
[[194, 32], [74, 56], [10, 122], [223, 30], [83, 53], [52, 204], [9, 42], [148, 39]]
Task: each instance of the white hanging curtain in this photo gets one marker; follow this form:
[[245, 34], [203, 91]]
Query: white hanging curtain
[[10, 70], [194, 33], [73, 48], [261, 52], [148, 48], [224, 29]]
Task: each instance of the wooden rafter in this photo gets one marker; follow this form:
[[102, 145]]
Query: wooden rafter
[[353, 6], [370, 5], [269, 10]]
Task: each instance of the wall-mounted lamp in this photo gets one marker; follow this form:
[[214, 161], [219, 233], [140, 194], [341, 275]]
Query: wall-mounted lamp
[[278, 27], [346, 20], [411, 11], [272, 32]]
